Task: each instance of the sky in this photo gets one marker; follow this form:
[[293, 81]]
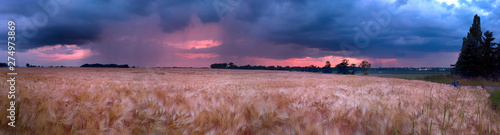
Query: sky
[[197, 33]]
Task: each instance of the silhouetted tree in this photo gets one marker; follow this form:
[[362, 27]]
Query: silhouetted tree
[[496, 60], [219, 65], [27, 65], [342, 68], [479, 56], [488, 62], [352, 69], [231, 65], [312, 68], [469, 60], [103, 65], [365, 66], [327, 68]]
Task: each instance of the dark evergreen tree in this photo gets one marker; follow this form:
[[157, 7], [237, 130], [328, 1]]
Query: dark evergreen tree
[[469, 63], [488, 63], [496, 60]]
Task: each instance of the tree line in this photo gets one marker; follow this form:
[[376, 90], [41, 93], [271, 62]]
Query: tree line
[[31, 65], [479, 56], [105, 65], [341, 68]]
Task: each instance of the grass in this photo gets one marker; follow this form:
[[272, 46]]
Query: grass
[[448, 79], [405, 74], [208, 101], [495, 99]]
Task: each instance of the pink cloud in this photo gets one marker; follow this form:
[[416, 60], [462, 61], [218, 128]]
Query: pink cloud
[[61, 52], [195, 44], [196, 36], [197, 55]]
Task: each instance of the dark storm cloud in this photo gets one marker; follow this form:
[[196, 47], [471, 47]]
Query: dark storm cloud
[[412, 32], [278, 29], [75, 22], [80, 22], [175, 14], [326, 24]]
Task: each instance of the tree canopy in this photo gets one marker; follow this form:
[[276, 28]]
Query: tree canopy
[[479, 54]]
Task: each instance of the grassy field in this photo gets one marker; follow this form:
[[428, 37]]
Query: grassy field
[[405, 74], [211, 101], [447, 79]]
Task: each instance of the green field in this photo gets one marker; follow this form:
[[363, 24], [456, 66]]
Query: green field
[[405, 74], [434, 76]]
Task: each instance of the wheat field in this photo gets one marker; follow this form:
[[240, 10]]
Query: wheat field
[[212, 101]]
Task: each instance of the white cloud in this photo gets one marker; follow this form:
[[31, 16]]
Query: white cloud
[[449, 2]]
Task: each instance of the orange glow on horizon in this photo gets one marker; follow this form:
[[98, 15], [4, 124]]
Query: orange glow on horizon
[[320, 61]]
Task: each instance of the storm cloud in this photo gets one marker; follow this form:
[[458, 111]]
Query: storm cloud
[[169, 33]]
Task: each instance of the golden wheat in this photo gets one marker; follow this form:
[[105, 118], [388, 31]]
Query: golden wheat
[[211, 101]]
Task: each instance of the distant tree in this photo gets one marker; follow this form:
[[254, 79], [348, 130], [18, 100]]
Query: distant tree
[[103, 65], [231, 65], [271, 68], [352, 69], [365, 66], [219, 65], [327, 68], [213, 65], [4, 65], [27, 65], [342, 67], [312, 68], [248, 66]]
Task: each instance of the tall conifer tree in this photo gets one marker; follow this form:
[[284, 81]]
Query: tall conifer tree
[[469, 61]]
